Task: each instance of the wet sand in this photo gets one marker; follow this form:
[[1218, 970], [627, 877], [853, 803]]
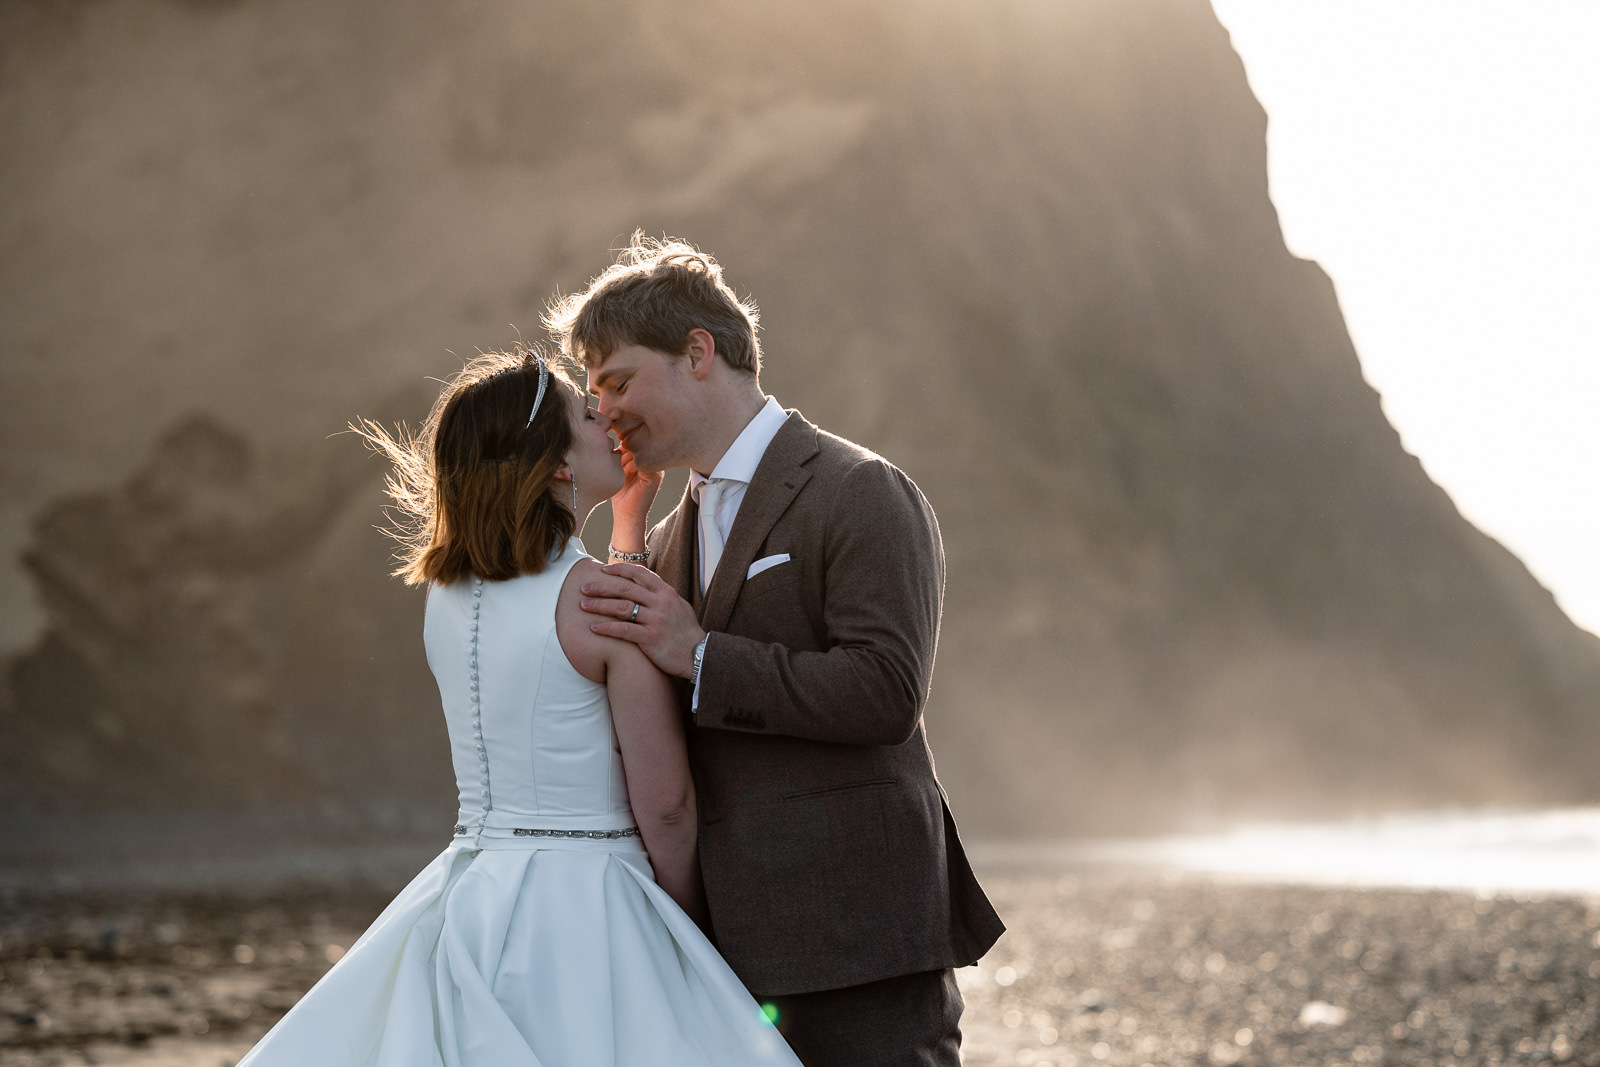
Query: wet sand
[[1137, 970], [1097, 967]]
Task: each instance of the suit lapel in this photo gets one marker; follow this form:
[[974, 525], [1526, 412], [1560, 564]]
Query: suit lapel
[[777, 481], [675, 561]]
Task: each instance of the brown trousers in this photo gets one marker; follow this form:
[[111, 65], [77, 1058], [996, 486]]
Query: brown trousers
[[910, 1021]]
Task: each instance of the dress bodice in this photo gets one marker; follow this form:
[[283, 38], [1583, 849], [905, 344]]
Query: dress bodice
[[531, 739]]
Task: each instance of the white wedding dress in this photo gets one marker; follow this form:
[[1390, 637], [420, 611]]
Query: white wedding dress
[[516, 949]]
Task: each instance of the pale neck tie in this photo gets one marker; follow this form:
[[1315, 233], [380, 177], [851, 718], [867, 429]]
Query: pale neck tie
[[710, 533]]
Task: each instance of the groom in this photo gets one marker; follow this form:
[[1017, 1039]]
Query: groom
[[797, 590]]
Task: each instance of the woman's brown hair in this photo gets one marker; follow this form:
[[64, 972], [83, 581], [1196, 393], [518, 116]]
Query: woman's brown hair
[[474, 489]]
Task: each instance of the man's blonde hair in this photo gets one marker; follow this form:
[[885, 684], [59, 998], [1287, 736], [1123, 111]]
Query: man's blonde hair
[[653, 295]]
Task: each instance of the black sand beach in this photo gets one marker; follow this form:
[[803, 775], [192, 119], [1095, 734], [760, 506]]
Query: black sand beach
[[1096, 968], [1140, 970]]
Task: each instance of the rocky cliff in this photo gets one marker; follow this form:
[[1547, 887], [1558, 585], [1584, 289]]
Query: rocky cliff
[[1023, 248]]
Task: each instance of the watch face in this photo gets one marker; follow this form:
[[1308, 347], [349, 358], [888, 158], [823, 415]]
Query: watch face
[[699, 654]]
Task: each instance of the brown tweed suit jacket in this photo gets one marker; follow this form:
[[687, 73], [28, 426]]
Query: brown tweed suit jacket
[[829, 854]]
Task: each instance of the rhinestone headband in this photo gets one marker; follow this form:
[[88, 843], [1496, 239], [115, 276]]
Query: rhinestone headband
[[544, 382]]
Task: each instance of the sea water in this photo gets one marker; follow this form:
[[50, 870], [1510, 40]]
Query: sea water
[[1495, 851]]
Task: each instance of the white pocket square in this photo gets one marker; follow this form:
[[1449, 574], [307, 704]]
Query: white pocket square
[[765, 564]]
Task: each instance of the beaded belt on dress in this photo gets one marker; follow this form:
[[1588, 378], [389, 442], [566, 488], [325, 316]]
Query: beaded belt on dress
[[592, 835]]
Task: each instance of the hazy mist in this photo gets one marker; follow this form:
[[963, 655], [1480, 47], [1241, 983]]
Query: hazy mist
[[1024, 249]]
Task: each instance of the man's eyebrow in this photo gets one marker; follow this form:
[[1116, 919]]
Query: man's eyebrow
[[596, 381]]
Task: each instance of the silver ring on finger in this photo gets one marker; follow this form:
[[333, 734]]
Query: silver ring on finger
[[633, 616]]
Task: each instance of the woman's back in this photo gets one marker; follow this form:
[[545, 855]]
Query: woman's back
[[531, 739], [539, 937]]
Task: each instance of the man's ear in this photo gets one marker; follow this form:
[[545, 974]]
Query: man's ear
[[702, 353]]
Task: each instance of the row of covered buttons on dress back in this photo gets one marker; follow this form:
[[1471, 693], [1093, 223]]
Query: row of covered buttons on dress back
[[477, 707]]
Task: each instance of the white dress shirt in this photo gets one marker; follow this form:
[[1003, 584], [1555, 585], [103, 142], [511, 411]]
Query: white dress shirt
[[735, 469]]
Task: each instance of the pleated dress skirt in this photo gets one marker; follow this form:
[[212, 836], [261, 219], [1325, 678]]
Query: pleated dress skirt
[[529, 953]]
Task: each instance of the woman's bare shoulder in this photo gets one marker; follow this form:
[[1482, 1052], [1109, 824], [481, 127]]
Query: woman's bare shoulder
[[586, 569], [586, 650]]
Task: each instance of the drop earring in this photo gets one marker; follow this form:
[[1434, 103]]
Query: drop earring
[[574, 494]]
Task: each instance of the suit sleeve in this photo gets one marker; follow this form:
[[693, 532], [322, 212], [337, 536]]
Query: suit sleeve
[[883, 589]]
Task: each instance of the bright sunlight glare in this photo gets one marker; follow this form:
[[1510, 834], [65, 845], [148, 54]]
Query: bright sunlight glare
[[1440, 160]]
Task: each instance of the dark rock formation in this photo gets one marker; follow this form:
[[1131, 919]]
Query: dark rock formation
[[1024, 249], [211, 643]]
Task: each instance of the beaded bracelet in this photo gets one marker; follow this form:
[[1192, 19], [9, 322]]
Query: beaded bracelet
[[629, 557]]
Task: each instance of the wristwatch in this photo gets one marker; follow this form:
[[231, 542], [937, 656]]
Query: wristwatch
[[699, 657]]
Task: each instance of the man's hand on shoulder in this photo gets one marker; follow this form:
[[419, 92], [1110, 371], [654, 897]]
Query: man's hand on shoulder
[[633, 604]]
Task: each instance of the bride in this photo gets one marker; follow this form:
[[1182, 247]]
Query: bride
[[558, 928]]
